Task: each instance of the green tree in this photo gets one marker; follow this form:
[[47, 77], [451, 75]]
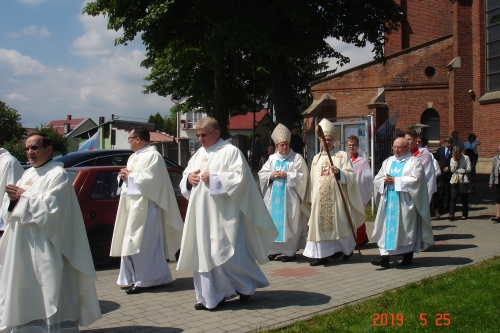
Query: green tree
[[16, 149], [210, 49], [59, 142], [10, 124]]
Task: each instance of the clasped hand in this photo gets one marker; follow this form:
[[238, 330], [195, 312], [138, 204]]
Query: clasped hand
[[388, 180], [195, 177], [14, 192], [123, 174], [278, 174]]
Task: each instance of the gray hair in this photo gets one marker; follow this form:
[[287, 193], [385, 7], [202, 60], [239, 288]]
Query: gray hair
[[448, 139], [405, 141], [208, 122]]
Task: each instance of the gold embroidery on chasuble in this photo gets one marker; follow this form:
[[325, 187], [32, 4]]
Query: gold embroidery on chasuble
[[326, 212], [204, 162], [29, 182]]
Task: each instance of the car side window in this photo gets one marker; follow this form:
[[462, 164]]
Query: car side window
[[87, 163], [105, 186], [176, 178], [119, 160]]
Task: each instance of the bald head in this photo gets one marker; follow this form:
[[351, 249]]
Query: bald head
[[400, 147]]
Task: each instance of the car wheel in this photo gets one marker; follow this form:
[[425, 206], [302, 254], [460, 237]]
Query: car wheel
[[100, 245]]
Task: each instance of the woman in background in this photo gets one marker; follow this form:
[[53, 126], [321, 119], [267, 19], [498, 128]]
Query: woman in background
[[472, 144], [460, 168]]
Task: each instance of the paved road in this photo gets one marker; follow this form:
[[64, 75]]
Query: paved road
[[297, 290]]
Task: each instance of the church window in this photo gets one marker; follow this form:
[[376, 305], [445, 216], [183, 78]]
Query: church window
[[492, 45], [430, 71], [430, 117]]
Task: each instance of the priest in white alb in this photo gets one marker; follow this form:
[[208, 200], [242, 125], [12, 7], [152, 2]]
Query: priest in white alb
[[403, 222], [330, 233], [364, 179], [10, 172], [47, 277], [283, 182], [427, 160], [148, 226], [228, 230]]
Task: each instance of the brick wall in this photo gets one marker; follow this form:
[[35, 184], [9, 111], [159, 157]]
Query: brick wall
[[425, 20]]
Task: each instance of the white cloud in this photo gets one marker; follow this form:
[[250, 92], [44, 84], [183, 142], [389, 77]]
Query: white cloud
[[357, 55], [18, 64], [97, 39], [112, 86], [15, 97], [34, 30]]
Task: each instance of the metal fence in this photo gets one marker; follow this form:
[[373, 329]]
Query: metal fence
[[383, 144]]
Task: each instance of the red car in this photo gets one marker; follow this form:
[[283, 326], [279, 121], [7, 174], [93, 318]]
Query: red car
[[96, 188]]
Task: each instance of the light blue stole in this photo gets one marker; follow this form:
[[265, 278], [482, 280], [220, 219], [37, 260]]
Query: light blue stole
[[392, 207], [278, 200]]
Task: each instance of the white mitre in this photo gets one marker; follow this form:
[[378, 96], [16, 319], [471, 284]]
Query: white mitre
[[327, 127], [281, 134]]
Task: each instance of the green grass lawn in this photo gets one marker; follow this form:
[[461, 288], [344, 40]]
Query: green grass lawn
[[464, 300]]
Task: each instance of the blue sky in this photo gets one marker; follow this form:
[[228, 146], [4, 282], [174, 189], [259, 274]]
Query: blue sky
[[55, 62]]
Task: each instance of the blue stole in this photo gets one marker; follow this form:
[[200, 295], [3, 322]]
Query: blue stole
[[392, 207], [278, 200]]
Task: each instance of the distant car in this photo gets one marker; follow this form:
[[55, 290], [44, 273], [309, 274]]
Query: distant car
[[102, 157], [96, 189]]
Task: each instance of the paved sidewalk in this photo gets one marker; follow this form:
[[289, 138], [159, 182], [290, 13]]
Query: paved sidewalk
[[297, 290]]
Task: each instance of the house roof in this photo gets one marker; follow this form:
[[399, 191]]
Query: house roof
[[58, 125], [160, 137], [244, 121]]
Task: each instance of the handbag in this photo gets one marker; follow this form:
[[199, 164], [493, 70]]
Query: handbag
[[467, 188]]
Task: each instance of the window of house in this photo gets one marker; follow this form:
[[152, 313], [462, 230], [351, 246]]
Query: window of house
[[492, 45], [430, 117], [192, 118]]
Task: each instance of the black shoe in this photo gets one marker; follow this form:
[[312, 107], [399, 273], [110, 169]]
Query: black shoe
[[345, 258], [382, 262], [318, 262], [451, 217], [495, 219], [199, 306], [271, 257], [407, 259], [221, 304], [244, 298], [288, 259], [336, 255], [134, 290]]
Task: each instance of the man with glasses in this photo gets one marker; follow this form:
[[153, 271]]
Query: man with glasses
[[227, 227], [148, 226], [364, 179], [403, 223], [46, 269], [10, 172], [330, 233]]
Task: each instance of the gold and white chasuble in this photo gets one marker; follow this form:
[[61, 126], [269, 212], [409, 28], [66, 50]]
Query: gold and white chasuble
[[47, 274], [328, 220], [211, 225], [150, 176]]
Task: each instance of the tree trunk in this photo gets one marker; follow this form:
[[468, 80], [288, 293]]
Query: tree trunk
[[220, 111], [283, 93]]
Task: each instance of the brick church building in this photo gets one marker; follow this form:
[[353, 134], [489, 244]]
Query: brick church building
[[442, 70]]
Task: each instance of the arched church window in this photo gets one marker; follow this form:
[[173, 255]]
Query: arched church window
[[430, 117]]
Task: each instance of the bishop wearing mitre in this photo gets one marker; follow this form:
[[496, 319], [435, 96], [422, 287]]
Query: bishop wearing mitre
[[283, 182]]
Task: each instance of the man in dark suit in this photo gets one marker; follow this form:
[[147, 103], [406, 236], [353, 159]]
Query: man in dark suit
[[443, 156]]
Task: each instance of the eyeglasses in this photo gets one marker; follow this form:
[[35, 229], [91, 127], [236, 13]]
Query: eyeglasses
[[34, 148], [131, 137], [396, 147], [203, 135]]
